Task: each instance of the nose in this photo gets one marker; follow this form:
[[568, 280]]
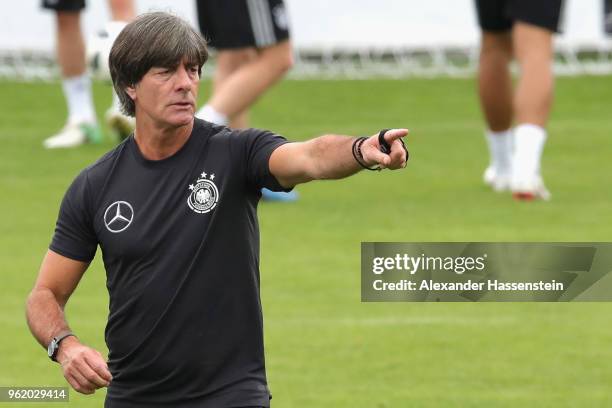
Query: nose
[[183, 81]]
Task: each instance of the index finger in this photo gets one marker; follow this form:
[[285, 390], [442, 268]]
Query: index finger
[[393, 134]]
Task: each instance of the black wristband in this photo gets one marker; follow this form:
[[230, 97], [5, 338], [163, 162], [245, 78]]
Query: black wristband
[[385, 147], [356, 149]]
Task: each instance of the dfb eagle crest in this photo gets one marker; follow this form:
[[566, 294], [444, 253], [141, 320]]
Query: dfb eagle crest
[[204, 194]]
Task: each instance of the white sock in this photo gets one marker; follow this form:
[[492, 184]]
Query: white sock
[[528, 146], [210, 114], [77, 91], [500, 149]]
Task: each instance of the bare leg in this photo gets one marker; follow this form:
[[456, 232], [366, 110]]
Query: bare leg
[[228, 62], [494, 80], [534, 94], [122, 10], [245, 85], [70, 44]]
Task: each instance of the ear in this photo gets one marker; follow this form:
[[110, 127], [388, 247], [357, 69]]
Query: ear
[[131, 91]]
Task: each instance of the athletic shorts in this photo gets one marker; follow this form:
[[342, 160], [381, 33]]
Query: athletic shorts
[[243, 23], [499, 15], [64, 5]]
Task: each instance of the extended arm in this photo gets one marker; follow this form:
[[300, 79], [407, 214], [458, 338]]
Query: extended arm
[[84, 368], [331, 157]]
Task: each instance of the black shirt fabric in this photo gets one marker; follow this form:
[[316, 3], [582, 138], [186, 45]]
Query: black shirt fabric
[[180, 243]]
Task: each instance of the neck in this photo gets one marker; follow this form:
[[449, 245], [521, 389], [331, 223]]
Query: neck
[[160, 142]]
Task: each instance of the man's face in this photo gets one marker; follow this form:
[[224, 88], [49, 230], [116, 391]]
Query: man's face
[[167, 96]]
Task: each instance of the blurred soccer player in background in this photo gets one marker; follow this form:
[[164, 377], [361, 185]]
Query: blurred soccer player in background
[[253, 53], [82, 126], [520, 29]]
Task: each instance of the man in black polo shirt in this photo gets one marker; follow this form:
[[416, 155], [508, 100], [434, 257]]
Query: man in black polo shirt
[[173, 209]]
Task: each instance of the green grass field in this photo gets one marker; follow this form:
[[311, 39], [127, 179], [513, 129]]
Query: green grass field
[[324, 347]]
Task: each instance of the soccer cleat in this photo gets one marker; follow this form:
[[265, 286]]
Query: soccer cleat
[[74, 134], [499, 182], [120, 125], [530, 189], [281, 196]]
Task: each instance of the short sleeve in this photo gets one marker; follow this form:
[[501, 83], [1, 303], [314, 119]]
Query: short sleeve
[[258, 147], [74, 235]]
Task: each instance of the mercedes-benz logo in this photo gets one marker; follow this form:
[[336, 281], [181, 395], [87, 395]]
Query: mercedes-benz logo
[[118, 216]]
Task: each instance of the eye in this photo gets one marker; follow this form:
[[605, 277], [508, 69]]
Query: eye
[[193, 72]]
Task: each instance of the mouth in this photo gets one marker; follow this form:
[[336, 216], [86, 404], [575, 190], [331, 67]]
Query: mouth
[[185, 104]]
